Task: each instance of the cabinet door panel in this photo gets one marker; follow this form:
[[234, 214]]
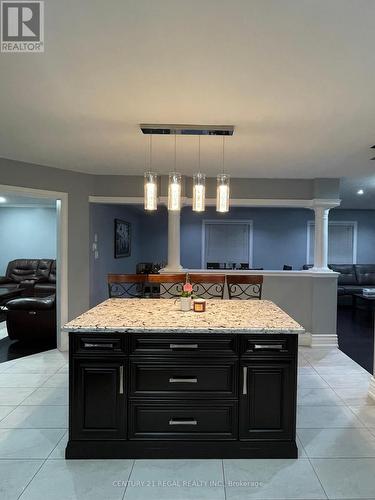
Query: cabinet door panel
[[98, 399], [267, 401]]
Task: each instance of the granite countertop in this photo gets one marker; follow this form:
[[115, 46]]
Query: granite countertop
[[163, 315]]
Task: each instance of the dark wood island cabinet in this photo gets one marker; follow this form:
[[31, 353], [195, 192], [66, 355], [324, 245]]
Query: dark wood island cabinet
[[182, 394]]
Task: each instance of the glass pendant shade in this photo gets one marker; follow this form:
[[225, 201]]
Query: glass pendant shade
[[174, 191], [222, 193], [199, 192], [151, 191]]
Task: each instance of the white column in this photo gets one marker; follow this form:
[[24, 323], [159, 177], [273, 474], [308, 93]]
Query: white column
[[371, 389], [321, 239], [174, 221]]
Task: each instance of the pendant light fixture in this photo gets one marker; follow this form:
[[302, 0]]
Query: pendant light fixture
[[174, 185], [199, 185], [150, 185], [222, 188]]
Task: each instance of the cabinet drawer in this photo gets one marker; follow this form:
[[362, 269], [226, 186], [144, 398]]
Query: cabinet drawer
[[198, 421], [184, 344], [185, 378], [269, 345], [98, 344]]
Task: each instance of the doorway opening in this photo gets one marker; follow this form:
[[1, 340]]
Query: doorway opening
[[33, 270]]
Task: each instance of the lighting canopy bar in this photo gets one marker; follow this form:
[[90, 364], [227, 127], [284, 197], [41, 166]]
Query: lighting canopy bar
[[173, 129]]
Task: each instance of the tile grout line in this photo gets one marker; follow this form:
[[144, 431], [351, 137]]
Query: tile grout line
[[127, 484], [27, 485], [318, 478], [224, 480], [42, 464]]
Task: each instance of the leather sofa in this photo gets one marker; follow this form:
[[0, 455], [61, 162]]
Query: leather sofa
[[36, 276], [354, 277], [32, 319]]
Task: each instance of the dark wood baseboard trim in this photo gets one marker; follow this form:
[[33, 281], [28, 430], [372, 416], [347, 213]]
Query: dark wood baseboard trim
[[180, 449]]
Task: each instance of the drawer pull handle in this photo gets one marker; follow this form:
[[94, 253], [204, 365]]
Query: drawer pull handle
[[182, 422], [272, 347], [182, 380], [244, 383], [89, 344], [121, 389], [183, 346]]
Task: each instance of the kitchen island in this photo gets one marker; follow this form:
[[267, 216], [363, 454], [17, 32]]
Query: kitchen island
[[149, 381]]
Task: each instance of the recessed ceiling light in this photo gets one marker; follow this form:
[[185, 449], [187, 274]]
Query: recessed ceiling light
[[2, 199], [360, 191]]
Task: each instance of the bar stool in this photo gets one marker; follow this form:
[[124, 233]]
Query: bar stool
[[208, 286], [126, 286], [244, 286], [171, 285]]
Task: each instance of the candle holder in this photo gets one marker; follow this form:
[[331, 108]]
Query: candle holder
[[199, 305]]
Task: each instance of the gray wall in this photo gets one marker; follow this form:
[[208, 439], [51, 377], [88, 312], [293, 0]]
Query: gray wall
[[292, 189], [27, 233], [78, 186]]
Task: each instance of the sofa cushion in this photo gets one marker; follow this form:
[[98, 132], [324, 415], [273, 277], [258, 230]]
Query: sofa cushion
[[52, 274], [347, 274], [32, 303], [44, 269], [349, 289], [365, 274], [45, 288], [22, 269]]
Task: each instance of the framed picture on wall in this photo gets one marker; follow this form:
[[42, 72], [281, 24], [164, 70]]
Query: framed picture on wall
[[122, 238]]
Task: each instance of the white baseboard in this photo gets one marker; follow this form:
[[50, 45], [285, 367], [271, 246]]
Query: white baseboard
[[324, 340], [371, 389], [304, 339]]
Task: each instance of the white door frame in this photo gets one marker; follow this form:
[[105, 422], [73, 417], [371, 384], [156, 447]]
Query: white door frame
[[205, 222], [62, 251]]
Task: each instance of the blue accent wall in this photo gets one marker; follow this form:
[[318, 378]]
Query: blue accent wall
[[102, 219], [365, 231], [279, 237], [26, 233]]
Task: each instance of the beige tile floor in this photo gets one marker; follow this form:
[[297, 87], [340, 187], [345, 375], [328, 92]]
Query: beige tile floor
[[336, 439]]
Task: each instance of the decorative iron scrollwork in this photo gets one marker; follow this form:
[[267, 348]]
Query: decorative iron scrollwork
[[208, 290], [244, 291]]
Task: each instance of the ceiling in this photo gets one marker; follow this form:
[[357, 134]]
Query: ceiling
[[296, 78], [350, 198]]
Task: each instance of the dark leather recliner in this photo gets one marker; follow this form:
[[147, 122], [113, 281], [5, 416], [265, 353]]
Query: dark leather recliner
[[32, 318], [36, 276]]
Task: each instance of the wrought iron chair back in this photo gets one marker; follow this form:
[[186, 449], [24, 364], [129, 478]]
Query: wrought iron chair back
[[244, 287], [170, 285], [126, 286], [208, 286]]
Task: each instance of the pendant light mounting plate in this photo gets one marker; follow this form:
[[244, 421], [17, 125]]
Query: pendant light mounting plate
[[173, 129]]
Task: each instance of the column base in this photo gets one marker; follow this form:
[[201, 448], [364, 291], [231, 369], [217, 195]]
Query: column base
[[320, 269], [371, 389]]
